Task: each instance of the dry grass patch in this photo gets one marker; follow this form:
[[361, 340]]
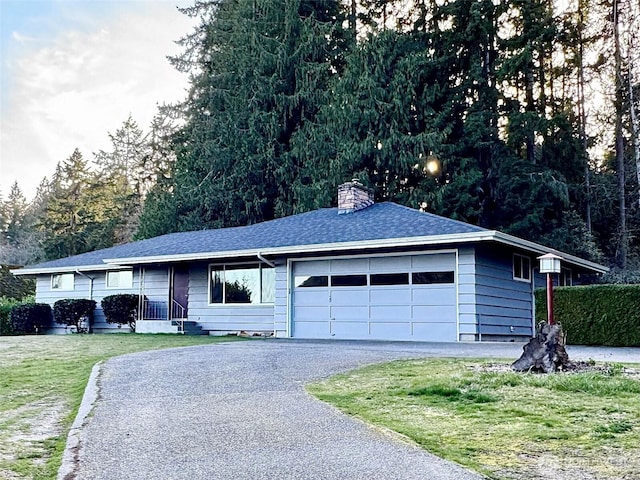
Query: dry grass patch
[[42, 380], [505, 425]]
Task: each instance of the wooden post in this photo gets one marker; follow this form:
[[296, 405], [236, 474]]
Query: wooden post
[[550, 298]]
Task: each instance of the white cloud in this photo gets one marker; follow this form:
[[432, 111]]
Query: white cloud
[[83, 84]]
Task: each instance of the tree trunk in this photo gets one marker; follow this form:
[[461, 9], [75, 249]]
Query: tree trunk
[[545, 352]]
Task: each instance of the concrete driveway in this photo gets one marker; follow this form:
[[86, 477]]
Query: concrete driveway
[[239, 411]]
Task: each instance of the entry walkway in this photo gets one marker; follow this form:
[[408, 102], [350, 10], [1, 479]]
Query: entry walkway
[[239, 411]]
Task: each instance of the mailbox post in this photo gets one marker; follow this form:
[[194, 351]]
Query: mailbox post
[[549, 264]]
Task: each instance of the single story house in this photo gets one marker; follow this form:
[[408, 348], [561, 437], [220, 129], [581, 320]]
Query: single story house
[[358, 271]]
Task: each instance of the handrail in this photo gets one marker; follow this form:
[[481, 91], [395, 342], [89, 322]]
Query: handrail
[[179, 318]]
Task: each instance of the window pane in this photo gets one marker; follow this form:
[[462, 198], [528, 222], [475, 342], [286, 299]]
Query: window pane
[[268, 284], [62, 281], [242, 285], [348, 280], [526, 268], [428, 278], [216, 281], [390, 279], [120, 279], [312, 281], [517, 267]]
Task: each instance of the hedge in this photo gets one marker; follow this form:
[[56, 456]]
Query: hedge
[[595, 314], [29, 318], [6, 304], [73, 311], [121, 308]]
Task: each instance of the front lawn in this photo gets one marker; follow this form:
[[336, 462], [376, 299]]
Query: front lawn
[[42, 380], [503, 424]]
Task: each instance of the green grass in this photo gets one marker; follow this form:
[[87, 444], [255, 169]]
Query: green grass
[[502, 424], [42, 380]]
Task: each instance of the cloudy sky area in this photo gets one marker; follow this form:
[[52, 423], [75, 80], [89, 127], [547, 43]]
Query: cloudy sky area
[[74, 70]]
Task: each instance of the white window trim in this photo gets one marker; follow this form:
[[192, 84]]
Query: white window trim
[[513, 268], [106, 280], [60, 289], [222, 304]]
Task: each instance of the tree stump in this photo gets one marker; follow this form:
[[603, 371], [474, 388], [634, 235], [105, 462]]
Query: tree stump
[[545, 352]]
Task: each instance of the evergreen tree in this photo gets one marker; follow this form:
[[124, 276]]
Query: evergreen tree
[[260, 70]]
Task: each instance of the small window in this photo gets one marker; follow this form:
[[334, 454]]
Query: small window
[[565, 279], [521, 268], [62, 281], [304, 281], [428, 278], [348, 280], [120, 279], [390, 279]]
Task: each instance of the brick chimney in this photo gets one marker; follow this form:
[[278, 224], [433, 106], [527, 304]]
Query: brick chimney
[[353, 196]]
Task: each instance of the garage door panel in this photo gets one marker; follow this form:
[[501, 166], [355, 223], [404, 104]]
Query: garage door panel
[[349, 296], [345, 329], [434, 263], [392, 314], [395, 330], [350, 313], [433, 296], [353, 265], [313, 267], [436, 332], [304, 329], [311, 297], [389, 296], [390, 264], [433, 313], [312, 313]]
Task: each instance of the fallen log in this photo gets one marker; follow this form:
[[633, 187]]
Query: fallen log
[[545, 352]]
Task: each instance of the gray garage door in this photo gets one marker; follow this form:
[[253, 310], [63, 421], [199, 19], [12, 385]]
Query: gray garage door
[[394, 298]]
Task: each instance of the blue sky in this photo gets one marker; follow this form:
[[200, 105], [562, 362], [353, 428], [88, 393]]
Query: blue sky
[[72, 71]]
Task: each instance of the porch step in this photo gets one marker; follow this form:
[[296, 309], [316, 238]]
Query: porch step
[[190, 327]]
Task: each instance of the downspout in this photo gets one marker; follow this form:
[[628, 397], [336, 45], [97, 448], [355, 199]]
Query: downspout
[[272, 265], [91, 279]]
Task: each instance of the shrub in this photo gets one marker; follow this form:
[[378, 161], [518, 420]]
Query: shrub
[[121, 308], [596, 314], [6, 304], [28, 318], [75, 312]]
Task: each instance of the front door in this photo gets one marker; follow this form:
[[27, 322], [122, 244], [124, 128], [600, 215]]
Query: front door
[[179, 292]]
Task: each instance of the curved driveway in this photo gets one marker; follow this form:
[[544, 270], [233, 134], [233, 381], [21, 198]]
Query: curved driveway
[[239, 411]]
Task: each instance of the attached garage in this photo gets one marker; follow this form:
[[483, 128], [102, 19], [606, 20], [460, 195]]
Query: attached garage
[[409, 297]]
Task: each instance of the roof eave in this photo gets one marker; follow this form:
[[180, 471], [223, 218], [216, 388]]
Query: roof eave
[[67, 269], [507, 239]]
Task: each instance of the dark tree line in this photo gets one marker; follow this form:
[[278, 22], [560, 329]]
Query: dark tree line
[[509, 115]]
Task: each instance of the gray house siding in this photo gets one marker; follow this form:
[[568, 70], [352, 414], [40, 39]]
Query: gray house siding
[[504, 306], [467, 315], [82, 289]]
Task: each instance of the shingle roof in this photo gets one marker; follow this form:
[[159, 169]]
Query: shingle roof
[[324, 226]]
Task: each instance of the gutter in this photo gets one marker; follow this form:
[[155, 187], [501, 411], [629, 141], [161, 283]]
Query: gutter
[[264, 260], [431, 240]]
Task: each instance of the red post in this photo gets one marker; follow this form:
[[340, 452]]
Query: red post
[[549, 298]]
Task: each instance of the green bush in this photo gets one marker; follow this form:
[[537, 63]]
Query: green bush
[[75, 312], [29, 318], [595, 314], [121, 308], [6, 304]]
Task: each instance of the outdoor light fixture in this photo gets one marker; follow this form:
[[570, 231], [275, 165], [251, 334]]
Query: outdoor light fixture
[[432, 165], [549, 264]]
